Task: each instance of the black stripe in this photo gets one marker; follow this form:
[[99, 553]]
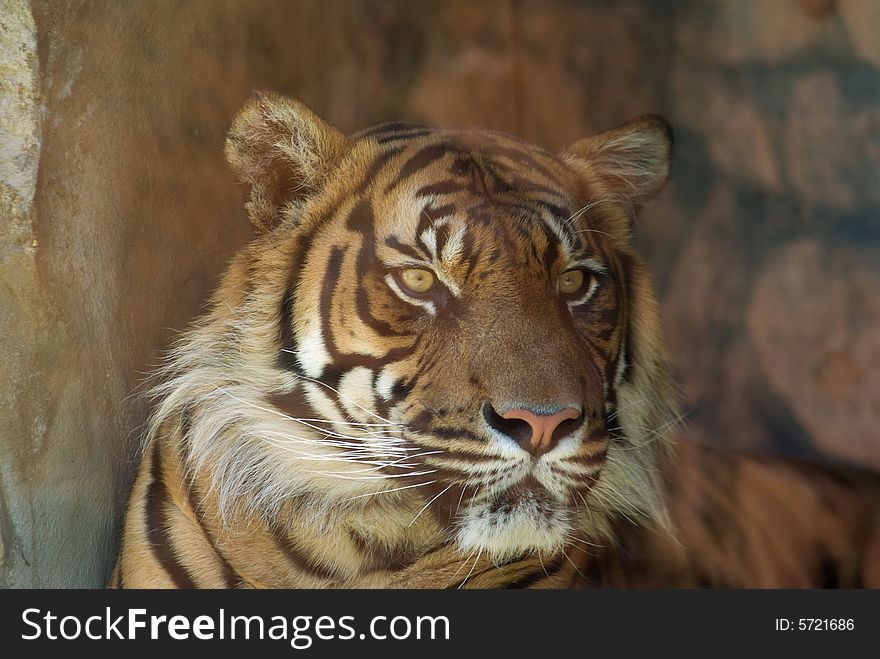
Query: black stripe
[[541, 573], [343, 362], [427, 219], [524, 186], [417, 162], [471, 255], [389, 127], [464, 456], [299, 558], [361, 219], [379, 557], [399, 137], [441, 188], [435, 213], [157, 533], [591, 459], [294, 404], [375, 167], [331, 278], [118, 575], [287, 357], [425, 222], [626, 291], [524, 161], [456, 433], [395, 244], [231, 578], [551, 250]]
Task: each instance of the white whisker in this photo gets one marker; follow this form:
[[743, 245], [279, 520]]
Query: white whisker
[[425, 507], [369, 478], [294, 419], [396, 489], [463, 563], [576, 569], [476, 560]]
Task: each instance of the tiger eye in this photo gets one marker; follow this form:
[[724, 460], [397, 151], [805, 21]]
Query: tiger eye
[[417, 280], [571, 281]]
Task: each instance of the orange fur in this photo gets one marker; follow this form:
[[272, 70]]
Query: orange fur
[[324, 426]]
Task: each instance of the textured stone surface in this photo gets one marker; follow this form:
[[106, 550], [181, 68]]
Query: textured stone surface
[[581, 68], [736, 135], [766, 31], [862, 20], [775, 108], [467, 70], [118, 239], [22, 317], [833, 143], [814, 318], [119, 212]]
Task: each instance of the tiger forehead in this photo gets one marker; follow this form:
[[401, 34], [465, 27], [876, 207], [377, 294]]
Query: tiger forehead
[[444, 195], [462, 230], [394, 135], [496, 162]]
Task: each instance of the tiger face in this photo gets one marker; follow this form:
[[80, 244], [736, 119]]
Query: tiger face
[[449, 319]]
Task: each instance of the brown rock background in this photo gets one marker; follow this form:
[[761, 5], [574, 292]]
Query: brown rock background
[[120, 213]]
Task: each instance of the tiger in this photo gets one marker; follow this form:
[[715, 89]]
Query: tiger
[[439, 364]]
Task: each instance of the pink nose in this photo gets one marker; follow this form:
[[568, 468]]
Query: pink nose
[[544, 435]]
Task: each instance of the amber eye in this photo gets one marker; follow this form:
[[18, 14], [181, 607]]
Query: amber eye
[[570, 281], [417, 280]]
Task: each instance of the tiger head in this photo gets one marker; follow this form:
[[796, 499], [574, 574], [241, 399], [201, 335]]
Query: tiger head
[[452, 321]]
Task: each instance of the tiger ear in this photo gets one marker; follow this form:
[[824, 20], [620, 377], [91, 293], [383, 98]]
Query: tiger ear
[[630, 162], [283, 153]]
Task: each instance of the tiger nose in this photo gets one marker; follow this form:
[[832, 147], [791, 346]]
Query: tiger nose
[[536, 430]]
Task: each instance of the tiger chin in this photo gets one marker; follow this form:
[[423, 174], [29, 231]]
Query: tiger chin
[[438, 364]]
